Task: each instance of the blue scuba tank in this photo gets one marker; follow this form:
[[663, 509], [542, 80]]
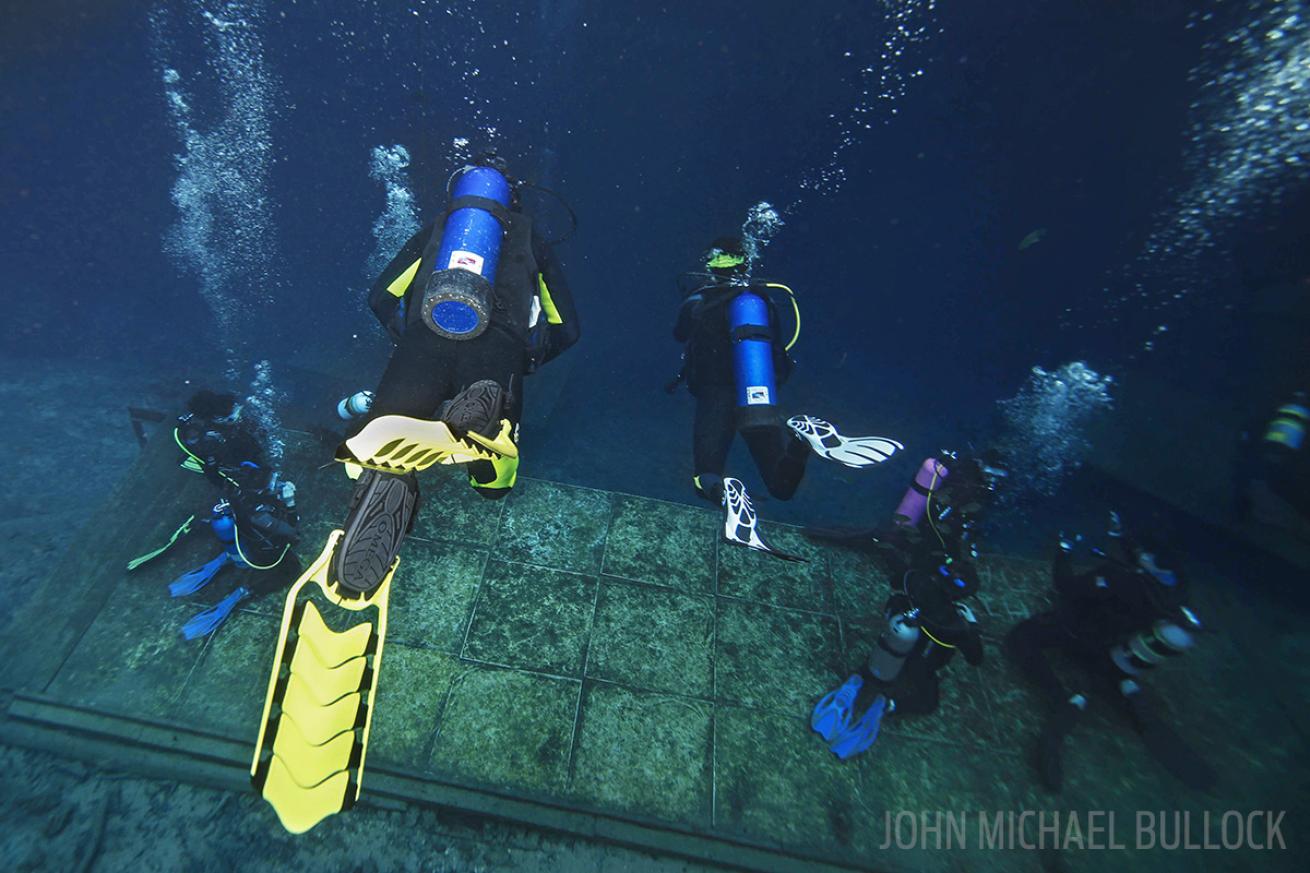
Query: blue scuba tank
[[457, 298], [752, 355]]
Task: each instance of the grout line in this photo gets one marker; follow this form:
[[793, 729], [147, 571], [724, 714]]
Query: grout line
[[582, 685], [526, 670], [477, 600]]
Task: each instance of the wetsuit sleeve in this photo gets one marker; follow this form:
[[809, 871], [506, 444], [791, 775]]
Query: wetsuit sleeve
[[398, 276], [686, 314], [971, 647], [562, 329]]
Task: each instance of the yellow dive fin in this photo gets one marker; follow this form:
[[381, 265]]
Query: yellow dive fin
[[400, 444], [309, 758]]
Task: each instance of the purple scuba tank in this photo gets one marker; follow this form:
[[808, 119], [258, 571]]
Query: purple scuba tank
[[929, 478]]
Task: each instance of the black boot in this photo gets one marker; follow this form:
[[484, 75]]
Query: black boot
[[382, 510], [476, 409]]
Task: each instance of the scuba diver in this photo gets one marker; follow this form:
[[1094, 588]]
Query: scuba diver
[[1274, 474], [474, 302], [1116, 622], [733, 361], [214, 436], [468, 326], [255, 517], [930, 552]]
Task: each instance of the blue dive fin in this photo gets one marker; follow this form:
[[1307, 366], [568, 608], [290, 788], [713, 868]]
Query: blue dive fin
[[193, 581], [208, 621], [832, 714], [862, 734]]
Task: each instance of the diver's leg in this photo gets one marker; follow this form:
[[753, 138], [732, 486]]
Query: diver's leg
[[384, 505], [1026, 645], [711, 437], [490, 374], [780, 456], [418, 378]]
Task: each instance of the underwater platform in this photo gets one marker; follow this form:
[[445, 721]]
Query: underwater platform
[[601, 664]]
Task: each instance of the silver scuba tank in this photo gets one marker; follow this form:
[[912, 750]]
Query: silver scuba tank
[[895, 645]]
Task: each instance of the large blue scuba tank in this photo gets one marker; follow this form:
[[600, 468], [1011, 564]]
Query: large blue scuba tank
[[457, 297], [752, 354]]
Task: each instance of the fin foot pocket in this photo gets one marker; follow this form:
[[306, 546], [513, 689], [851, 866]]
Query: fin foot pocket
[[309, 757]]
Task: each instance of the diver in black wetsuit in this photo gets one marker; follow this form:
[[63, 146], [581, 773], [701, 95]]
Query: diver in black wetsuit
[[713, 366], [254, 518], [702, 326], [216, 436], [929, 551], [1116, 621], [473, 385]]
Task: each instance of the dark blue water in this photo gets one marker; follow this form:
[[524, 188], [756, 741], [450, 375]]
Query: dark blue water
[[661, 128]]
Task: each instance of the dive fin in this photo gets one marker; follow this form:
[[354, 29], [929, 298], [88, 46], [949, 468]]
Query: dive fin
[[861, 735], [205, 623], [193, 580], [832, 714], [400, 444], [851, 451], [309, 757], [741, 524]]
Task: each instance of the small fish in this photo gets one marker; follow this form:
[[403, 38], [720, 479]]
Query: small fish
[[1032, 239]]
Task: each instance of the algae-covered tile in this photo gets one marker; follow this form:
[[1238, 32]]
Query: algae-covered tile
[[859, 580], [533, 618], [910, 778], [432, 594], [662, 543], [451, 511], [775, 658], [644, 753], [132, 659], [777, 782], [554, 526], [1011, 589], [412, 687], [754, 575], [507, 729], [226, 691], [653, 638]]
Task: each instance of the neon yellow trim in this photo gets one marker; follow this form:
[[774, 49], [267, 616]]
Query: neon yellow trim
[[507, 473], [791, 295], [192, 465], [400, 284], [696, 481], [724, 260], [236, 541], [1294, 410], [1285, 438], [934, 639], [547, 304], [181, 531], [199, 463], [297, 807]]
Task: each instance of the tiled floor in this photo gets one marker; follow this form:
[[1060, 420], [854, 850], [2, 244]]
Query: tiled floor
[[606, 651]]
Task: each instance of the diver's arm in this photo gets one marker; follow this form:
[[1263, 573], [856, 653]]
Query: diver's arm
[[562, 327], [686, 314], [970, 642], [381, 299]]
